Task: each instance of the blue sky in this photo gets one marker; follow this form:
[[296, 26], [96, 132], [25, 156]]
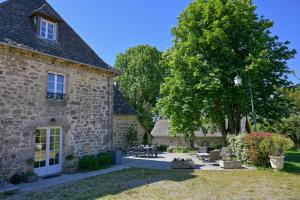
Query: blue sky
[[112, 26]]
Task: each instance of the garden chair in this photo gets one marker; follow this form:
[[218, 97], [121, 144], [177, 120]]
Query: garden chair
[[202, 149], [130, 151], [140, 152]]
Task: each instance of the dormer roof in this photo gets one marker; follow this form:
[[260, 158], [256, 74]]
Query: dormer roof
[[17, 28], [47, 12]]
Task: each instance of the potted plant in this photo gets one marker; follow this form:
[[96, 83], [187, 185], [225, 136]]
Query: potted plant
[[70, 164], [230, 163], [276, 146], [30, 176], [181, 163]]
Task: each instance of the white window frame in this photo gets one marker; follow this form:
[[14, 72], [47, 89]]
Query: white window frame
[[51, 169], [55, 82], [47, 22]]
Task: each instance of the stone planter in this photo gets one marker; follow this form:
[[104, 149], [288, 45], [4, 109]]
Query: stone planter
[[277, 163], [235, 164], [31, 179], [186, 164]]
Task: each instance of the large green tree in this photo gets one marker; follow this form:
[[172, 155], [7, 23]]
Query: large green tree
[[140, 80], [288, 126], [215, 41]]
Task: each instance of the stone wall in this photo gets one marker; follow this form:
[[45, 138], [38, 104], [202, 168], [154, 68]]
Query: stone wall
[[180, 141], [85, 116], [121, 123]]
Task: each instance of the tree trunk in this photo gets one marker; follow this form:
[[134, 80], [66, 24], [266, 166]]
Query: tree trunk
[[222, 127], [248, 129], [237, 120], [192, 142]]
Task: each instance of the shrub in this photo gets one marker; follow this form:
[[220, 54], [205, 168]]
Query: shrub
[[162, 147], [89, 163], [94, 162], [237, 146], [104, 159], [184, 150], [15, 179], [276, 145], [132, 136], [253, 154], [69, 157]]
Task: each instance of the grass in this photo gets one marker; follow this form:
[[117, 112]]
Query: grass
[[292, 162], [177, 184]]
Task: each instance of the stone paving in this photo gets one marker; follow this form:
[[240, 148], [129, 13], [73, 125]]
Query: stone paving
[[163, 161]]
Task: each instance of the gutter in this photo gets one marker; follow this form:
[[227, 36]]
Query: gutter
[[114, 72]]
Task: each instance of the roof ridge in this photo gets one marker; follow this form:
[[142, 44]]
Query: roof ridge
[[15, 19]]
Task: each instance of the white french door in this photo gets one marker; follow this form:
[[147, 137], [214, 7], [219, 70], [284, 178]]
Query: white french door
[[48, 151]]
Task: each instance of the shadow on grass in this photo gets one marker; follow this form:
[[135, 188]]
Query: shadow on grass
[[106, 186], [292, 162]]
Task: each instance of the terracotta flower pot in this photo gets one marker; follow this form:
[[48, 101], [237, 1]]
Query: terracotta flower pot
[[277, 162]]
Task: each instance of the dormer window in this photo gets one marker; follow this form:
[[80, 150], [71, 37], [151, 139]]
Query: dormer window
[[48, 30]]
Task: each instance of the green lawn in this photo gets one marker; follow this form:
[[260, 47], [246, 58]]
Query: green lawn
[[182, 184], [178, 184], [292, 162]]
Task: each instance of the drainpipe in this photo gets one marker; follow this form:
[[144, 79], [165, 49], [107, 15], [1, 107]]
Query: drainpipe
[[109, 114]]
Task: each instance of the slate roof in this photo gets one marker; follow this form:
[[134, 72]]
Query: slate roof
[[47, 11], [17, 28], [120, 105], [161, 129]]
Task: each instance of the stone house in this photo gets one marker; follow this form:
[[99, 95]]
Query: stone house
[[56, 94], [160, 135]]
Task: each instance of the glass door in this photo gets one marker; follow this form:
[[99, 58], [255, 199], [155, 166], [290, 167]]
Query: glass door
[[48, 145]]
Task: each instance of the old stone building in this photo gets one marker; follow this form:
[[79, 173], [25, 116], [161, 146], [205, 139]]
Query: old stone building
[[124, 117], [160, 135], [56, 94]]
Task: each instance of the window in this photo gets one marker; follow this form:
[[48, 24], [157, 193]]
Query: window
[[56, 86], [48, 30]]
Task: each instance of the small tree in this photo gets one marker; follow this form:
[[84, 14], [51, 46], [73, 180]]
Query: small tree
[[132, 136], [145, 139]]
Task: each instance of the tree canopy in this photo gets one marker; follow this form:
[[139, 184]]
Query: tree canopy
[[215, 41], [140, 80]]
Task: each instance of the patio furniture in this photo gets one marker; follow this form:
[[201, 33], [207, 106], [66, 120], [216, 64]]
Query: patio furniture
[[140, 151], [213, 156], [203, 156], [202, 149], [154, 151], [130, 151]]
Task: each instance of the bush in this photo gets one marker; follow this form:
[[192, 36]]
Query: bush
[[16, 179], [182, 150], [89, 163], [94, 162], [237, 146], [104, 159], [69, 157], [276, 145], [162, 148], [253, 154]]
